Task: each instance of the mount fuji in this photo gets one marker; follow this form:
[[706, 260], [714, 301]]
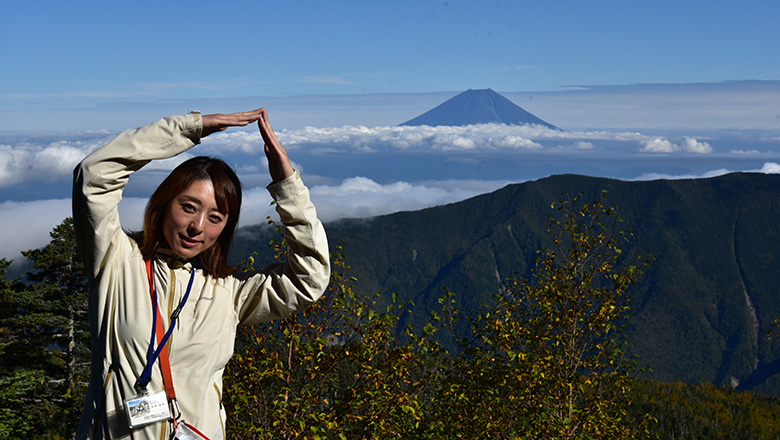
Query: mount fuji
[[477, 107]]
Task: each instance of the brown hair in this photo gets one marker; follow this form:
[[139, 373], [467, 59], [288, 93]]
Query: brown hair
[[227, 191]]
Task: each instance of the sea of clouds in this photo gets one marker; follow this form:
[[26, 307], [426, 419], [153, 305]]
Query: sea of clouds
[[360, 171]]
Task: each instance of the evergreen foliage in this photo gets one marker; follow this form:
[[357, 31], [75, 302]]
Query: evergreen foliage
[[44, 341]]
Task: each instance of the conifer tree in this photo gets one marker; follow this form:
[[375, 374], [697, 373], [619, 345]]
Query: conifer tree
[[44, 336]]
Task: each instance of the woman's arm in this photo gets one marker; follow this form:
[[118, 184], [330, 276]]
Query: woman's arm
[[278, 162], [221, 122], [285, 288]]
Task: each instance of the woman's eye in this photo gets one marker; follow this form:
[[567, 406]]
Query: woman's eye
[[215, 219], [188, 208]]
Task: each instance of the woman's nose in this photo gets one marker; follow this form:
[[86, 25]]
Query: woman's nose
[[196, 225]]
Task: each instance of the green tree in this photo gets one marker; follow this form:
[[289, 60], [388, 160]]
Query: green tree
[[19, 382], [58, 265], [44, 335], [548, 361]]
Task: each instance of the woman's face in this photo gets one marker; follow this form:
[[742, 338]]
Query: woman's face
[[193, 222]]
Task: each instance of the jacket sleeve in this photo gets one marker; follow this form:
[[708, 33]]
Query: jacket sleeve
[[283, 289], [98, 182]]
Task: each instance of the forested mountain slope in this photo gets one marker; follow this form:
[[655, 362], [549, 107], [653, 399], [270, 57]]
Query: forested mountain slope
[[701, 310]]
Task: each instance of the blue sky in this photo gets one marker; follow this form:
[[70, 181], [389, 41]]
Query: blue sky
[[66, 55], [642, 89]]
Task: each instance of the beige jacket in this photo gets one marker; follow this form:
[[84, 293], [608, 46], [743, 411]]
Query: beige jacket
[[120, 304]]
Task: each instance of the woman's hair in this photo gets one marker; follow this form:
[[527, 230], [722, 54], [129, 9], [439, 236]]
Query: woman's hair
[[227, 192]]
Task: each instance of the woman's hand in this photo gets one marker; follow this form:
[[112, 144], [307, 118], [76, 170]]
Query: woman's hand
[[278, 163], [220, 122]]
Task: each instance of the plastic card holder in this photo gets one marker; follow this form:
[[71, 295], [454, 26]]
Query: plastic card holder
[[144, 409]]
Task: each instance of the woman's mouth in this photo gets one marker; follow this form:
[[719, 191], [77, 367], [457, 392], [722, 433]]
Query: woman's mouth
[[188, 242]]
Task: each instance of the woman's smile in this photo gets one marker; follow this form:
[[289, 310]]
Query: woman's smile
[[193, 222]]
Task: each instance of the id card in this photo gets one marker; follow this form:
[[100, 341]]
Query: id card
[[144, 409]]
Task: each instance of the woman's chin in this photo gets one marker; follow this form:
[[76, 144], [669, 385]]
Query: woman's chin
[[187, 254], [186, 251]]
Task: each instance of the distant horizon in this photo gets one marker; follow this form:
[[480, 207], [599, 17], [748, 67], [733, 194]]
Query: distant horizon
[[733, 105], [363, 170]]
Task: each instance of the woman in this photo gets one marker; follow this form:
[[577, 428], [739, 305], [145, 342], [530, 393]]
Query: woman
[[176, 271]]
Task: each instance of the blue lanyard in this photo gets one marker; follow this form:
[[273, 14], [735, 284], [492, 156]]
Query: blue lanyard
[[151, 354]]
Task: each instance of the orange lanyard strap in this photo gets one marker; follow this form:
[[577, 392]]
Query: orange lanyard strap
[[162, 336]]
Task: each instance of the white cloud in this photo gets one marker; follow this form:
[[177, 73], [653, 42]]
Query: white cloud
[[517, 143], [767, 168], [53, 160], [36, 163], [363, 197], [241, 141], [478, 138], [58, 158], [582, 145], [658, 145], [692, 145], [358, 185], [706, 175], [365, 139], [770, 168], [688, 145], [26, 225], [453, 142]]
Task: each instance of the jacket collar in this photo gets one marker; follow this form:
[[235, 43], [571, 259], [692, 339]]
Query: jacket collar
[[173, 260]]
